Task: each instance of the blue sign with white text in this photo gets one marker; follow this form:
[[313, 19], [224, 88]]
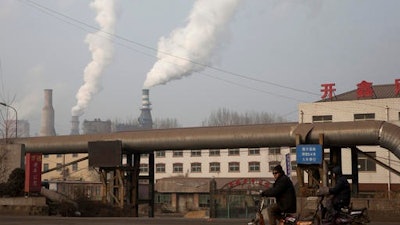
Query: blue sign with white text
[[309, 154]]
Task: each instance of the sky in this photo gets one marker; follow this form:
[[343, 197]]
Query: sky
[[241, 55]]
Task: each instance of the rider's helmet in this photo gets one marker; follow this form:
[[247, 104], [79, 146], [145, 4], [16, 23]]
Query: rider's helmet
[[337, 170]]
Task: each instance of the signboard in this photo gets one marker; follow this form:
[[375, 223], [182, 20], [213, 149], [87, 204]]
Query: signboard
[[105, 154], [288, 165], [309, 154], [248, 181], [33, 172]]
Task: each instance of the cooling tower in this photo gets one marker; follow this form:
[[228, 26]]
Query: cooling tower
[[47, 125], [145, 119], [75, 125]]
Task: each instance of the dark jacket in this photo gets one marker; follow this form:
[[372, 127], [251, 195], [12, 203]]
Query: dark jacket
[[284, 193], [341, 193]]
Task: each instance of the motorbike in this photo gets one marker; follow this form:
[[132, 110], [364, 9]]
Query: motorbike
[[346, 216], [286, 218], [321, 216], [259, 218]]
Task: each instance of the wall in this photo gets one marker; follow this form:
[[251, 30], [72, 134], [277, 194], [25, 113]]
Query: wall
[[24, 206], [12, 156]]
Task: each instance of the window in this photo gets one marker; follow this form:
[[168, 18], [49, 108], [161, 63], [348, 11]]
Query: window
[[275, 151], [144, 168], [163, 198], [327, 156], [214, 152], [145, 155], [160, 168], [59, 166], [293, 150], [254, 166], [160, 154], [365, 116], [195, 167], [234, 167], [272, 164], [59, 155], [322, 119], [365, 163], [45, 155], [45, 166], [75, 167], [254, 151], [214, 167], [204, 200], [74, 155], [293, 164], [233, 151], [177, 153], [177, 168], [195, 153]]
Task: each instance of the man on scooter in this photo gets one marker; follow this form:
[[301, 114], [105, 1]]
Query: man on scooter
[[339, 195], [341, 191], [284, 193]]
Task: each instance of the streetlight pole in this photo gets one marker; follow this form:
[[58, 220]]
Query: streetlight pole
[[16, 117]]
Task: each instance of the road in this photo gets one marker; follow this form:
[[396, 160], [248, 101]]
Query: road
[[52, 220]]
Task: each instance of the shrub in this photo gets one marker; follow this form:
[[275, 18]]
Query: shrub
[[16, 182]]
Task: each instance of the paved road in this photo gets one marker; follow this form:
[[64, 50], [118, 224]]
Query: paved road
[[39, 220]]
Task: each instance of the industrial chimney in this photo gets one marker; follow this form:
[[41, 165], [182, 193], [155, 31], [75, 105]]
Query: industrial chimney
[[145, 119], [47, 125], [75, 125]]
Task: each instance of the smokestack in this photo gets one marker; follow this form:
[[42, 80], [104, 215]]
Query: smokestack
[[47, 125], [75, 125], [145, 119]]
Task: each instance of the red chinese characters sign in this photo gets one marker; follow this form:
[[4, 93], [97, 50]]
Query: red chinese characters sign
[[397, 86], [249, 181], [364, 89], [33, 172], [327, 90]]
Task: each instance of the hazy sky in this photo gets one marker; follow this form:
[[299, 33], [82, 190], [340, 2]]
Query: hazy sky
[[268, 56]]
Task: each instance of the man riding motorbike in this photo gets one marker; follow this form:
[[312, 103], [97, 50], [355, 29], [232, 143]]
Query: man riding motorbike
[[284, 193], [340, 194], [341, 191]]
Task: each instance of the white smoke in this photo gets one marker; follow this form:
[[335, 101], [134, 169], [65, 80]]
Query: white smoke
[[102, 53], [193, 43]]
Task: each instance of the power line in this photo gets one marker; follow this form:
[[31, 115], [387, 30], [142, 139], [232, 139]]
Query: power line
[[90, 28]]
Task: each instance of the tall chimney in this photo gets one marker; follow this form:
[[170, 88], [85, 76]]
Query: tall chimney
[[75, 125], [47, 125], [145, 119]]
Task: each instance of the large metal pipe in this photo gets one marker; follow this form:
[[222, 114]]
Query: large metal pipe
[[337, 134]]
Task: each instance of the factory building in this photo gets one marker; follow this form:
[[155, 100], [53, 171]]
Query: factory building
[[365, 102], [189, 167]]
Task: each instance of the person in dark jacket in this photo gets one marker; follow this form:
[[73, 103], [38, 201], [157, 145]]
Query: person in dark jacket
[[341, 191], [284, 193]]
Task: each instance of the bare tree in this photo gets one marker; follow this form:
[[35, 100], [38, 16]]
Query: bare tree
[[224, 117], [158, 123], [165, 123], [8, 120]]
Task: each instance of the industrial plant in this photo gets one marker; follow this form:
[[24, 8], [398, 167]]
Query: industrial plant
[[184, 169]]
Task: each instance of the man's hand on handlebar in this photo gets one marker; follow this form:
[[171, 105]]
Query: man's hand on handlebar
[[322, 191]]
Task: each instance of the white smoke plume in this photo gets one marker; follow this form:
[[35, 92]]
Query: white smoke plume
[[193, 43], [102, 53]]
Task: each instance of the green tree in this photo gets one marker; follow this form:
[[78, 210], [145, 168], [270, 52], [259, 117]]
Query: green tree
[[16, 182]]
